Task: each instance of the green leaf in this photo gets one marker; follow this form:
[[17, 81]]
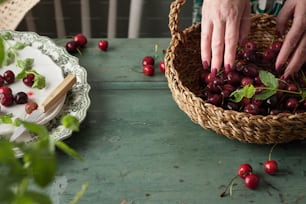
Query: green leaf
[[38, 197], [2, 52], [43, 166], [70, 122], [268, 79], [7, 36], [19, 46], [39, 81], [25, 64], [247, 91], [68, 150], [265, 94], [6, 119], [21, 74], [36, 128], [9, 57]]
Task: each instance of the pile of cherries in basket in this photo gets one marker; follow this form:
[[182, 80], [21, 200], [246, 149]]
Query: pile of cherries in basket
[[219, 88]]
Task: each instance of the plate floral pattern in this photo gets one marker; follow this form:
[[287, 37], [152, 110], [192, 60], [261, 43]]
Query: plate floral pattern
[[77, 100]]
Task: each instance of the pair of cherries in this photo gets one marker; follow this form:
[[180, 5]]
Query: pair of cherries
[[251, 179]]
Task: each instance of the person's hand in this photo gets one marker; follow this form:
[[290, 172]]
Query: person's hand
[[294, 45], [224, 24]]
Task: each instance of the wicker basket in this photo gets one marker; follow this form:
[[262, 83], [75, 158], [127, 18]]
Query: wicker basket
[[183, 69]]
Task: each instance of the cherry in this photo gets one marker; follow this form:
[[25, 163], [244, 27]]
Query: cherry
[[215, 99], [276, 46], [80, 39], [271, 166], [2, 81], [244, 170], [162, 66], [29, 79], [292, 103], [148, 60], [5, 90], [148, 70], [251, 181], [249, 46], [233, 77], [21, 98], [72, 47], [9, 76], [30, 107], [246, 81], [103, 45], [7, 98]]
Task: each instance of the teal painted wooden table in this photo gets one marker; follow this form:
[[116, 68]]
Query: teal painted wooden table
[[139, 147]]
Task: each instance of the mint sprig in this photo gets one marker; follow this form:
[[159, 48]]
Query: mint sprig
[[271, 87], [38, 167]]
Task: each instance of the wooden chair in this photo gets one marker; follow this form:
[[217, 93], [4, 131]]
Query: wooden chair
[[135, 13]]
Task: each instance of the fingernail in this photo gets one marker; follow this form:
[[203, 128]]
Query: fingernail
[[227, 68], [205, 65], [279, 67], [214, 72]]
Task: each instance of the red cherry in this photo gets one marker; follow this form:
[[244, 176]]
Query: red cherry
[[251, 181], [9, 76], [148, 60], [271, 167], [148, 70], [7, 99], [244, 170], [80, 39], [30, 107], [5, 90], [103, 45], [276, 46], [2, 81], [29, 79], [71, 47], [162, 66]]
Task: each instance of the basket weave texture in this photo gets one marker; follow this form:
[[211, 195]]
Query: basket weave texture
[[183, 70], [13, 11]]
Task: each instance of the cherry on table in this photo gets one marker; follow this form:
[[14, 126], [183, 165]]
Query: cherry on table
[[162, 66], [148, 70], [148, 60], [72, 47], [251, 181], [271, 167], [244, 170], [2, 81], [103, 45], [80, 39]]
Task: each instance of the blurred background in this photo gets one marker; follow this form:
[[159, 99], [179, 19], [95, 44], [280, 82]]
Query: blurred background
[[153, 22]]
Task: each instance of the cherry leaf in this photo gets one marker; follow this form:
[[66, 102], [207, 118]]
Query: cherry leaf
[[265, 94], [268, 79], [247, 91]]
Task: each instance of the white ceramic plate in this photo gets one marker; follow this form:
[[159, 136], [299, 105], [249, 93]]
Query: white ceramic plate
[[54, 63]]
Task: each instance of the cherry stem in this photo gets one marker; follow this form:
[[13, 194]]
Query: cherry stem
[[270, 153], [281, 90], [229, 186]]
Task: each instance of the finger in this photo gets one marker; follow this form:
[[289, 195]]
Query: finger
[[290, 43], [297, 59], [206, 35], [284, 16], [217, 44], [231, 41], [245, 24]]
